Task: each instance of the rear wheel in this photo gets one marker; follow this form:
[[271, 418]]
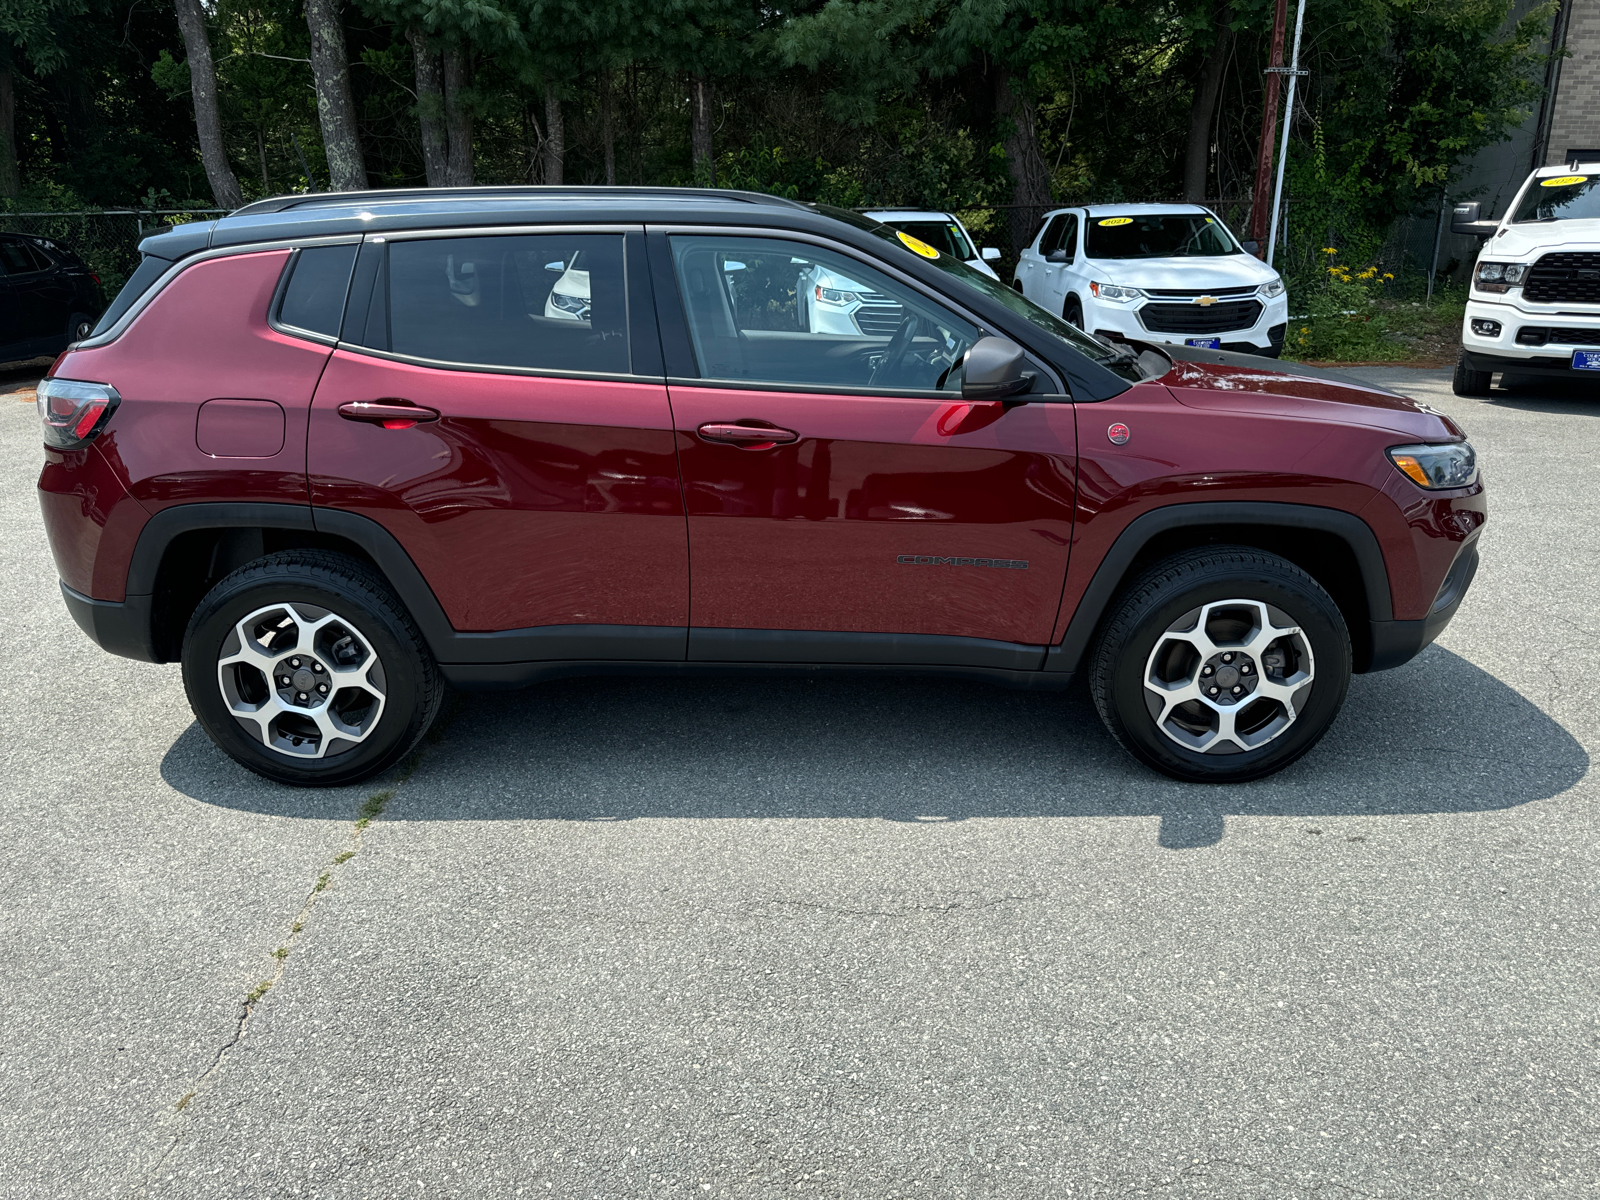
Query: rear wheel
[[79, 326], [1468, 382], [305, 667], [1221, 665], [1072, 311]]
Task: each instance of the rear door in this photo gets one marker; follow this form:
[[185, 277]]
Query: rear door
[[491, 407], [844, 504], [1030, 264]]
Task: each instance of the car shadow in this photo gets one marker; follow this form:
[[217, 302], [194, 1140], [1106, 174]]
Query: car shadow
[[1528, 393], [1436, 736]]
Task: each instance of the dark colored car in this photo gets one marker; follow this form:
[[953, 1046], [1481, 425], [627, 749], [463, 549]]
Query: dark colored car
[[336, 452], [48, 298]]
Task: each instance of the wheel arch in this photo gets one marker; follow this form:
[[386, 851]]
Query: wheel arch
[[1336, 548], [183, 551]]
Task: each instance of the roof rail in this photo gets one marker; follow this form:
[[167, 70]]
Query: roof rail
[[277, 204]]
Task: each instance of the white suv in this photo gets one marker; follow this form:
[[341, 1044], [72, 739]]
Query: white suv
[[1534, 307], [943, 231], [1168, 273]]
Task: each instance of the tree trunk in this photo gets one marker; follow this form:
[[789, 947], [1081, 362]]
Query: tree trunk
[[457, 120], [1030, 180], [261, 153], [607, 135], [1197, 153], [705, 165], [207, 116], [555, 137], [336, 106], [10, 173], [430, 107]]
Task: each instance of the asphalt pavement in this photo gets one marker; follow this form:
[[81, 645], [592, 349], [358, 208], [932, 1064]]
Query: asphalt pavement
[[865, 938]]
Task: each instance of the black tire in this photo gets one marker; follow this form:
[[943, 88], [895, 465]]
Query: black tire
[[1468, 382], [400, 699], [1072, 311], [1177, 590], [79, 326], [1017, 284]]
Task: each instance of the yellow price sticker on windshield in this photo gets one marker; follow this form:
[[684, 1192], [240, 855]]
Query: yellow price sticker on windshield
[[918, 247], [1117, 221], [1562, 181]]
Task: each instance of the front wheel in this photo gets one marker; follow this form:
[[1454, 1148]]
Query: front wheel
[[1468, 382], [1221, 665], [1072, 311], [304, 667]]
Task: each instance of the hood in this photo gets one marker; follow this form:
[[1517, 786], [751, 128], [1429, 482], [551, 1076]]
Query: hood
[[1248, 385], [1185, 274], [1525, 240]]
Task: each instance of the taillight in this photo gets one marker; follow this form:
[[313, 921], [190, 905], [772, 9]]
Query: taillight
[[73, 412]]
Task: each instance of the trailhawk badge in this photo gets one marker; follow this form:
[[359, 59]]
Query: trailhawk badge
[[1118, 434]]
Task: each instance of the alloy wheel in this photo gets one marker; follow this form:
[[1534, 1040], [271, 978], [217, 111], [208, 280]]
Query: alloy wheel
[[302, 680], [1228, 677]]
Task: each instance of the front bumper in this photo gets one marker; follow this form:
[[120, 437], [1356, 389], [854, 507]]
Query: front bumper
[[1532, 340], [1396, 642], [1121, 322]]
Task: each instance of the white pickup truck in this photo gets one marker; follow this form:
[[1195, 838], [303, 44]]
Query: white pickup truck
[[1534, 307]]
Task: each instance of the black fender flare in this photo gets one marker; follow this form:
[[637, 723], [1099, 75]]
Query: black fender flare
[[448, 644], [1112, 572]]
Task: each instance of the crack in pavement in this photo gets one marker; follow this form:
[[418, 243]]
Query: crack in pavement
[[371, 809]]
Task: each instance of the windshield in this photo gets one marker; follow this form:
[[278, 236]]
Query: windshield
[[1560, 198], [944, 236], [1158, 235], [1121, 361]]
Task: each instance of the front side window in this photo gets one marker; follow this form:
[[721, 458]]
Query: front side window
[[792, 313], [537, 301], [1051, 237], [1560, 198], [1158, 235]]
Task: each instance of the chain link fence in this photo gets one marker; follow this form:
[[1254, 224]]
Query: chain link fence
[[106, 239]]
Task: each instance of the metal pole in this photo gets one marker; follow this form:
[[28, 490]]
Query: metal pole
[[1438, 236], [1288, 120]]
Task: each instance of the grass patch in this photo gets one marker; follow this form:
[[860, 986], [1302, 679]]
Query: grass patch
[[260, 990], [281, 953], [322, 881], [373, 808], [1381, 330], [340, 859]]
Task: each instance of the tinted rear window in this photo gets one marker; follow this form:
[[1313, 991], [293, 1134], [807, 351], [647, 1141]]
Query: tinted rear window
[[314, 299], [553, 301]]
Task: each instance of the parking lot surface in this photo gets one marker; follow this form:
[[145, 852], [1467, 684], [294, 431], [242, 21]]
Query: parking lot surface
[[845, 937]]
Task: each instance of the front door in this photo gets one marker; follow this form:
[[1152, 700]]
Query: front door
[[492, 414], [835, 482]]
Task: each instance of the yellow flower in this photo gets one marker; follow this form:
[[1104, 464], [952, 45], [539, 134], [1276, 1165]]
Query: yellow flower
[[1386, 275], [1304, 329], [1329, 250]]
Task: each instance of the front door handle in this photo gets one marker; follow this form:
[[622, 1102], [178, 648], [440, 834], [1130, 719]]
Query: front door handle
[[391, 413], [748, 437]]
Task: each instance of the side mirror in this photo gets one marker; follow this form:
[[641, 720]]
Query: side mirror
[[1251, 247], [1464, 219], [992, 370], [989, 254], [1057, 256]]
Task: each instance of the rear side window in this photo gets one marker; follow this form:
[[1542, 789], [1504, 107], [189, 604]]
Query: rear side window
[[318, 280], [17, 259], [537, 301]]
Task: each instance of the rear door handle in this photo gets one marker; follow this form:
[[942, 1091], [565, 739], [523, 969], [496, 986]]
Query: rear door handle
[[748, 437], [391, 414]]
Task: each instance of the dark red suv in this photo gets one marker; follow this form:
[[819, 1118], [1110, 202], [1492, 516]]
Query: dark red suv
[[334, 452]]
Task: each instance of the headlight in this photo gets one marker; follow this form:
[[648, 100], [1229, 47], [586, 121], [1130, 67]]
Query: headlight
[[1271, 291], [1454, 465], [1111, 291], [836, 296], [578, 306], [1497, 277]]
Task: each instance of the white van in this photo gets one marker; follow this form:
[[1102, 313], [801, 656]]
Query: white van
[[1534, 307], [1168, 273]]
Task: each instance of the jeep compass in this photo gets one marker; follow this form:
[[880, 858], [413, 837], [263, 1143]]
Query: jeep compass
[[335, 452]]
